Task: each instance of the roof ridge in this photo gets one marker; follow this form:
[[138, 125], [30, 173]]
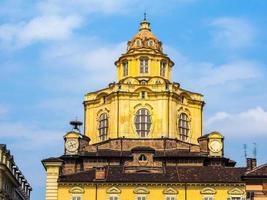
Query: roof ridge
[[256, 168]]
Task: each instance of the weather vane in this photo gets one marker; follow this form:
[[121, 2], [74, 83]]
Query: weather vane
[[76, 125]]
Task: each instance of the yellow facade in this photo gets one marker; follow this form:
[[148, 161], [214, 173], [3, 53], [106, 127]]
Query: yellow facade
[[158, 192], [152, 90], [144, 81]]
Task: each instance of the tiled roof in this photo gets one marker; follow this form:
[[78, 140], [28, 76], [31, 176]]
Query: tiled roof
[[260, 171], [171, 174], [177, 153], [143, 148], [52, 159]]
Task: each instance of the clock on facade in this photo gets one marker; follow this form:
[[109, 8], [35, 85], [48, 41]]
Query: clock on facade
[[215, 146], [72, 145]]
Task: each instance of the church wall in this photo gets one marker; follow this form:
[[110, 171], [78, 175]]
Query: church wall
[[134, 66], [158, 192], [164, 110]]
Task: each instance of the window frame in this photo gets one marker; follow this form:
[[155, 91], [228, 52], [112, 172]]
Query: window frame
[[113, 197], [170, 197], [143, 65], [142, 196], [76, 196], [142, 158], [103, 126], [183, 126], [125, 66], [143, 122], [235, 198], [208, 197], [163, 65]]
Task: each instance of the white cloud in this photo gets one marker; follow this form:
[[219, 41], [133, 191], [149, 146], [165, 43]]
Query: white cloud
[[83, 64], [250, 123], [233, 32], [206, 74], [31, 134], [107, 7], [41, 28], [233, 71], [84, 7]]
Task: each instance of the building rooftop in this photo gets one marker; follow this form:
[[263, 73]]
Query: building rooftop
[[171, 174]]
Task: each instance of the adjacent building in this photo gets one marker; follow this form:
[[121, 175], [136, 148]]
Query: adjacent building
[[13, 185], [143, 139], [256, 181]]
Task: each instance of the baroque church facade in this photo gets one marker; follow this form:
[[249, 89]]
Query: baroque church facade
[[143, 139]]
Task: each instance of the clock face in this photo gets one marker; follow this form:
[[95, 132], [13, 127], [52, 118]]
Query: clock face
[[215, 146], [71, 145]]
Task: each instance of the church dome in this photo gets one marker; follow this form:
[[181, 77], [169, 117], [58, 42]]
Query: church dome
[[144, 39]]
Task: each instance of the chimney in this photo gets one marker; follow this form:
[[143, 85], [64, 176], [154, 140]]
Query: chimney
[[251, 163], [100, 173]]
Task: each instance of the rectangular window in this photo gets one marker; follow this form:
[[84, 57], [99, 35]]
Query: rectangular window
[[76, 198], [170, 197], [162, 68], [143, 94], [113, 198], [236, 198], [144, 66], [208, 198], [125, 68], [141, 198]]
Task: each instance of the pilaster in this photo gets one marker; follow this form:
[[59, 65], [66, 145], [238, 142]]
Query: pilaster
[[53, 167]]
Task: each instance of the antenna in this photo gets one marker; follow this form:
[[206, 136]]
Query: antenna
[[255, 150], [245, 151]]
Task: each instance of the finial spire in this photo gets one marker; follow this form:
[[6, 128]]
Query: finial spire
[[144, 25]]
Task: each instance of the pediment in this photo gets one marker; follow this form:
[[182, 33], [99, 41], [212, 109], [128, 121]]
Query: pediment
[[76, 190], [170, 191], [113, 190], [236, 191], [208, 190], [141, 190]]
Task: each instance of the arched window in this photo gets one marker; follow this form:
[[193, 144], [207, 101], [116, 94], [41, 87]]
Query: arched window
[[183, 126], [150, 43], [143, 122], [138, 42], [125, 68], [142, 158], [143, 65], [162, 68], [103, 126]]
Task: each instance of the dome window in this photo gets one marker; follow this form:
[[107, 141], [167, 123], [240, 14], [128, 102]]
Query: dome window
[[143, 122], [142, 158], [138, 43], [158, 82], [143, 82], [143, 65], [125, 68], [150, 43], [183, 127], [103, 126], [143, 95], [162, 68]]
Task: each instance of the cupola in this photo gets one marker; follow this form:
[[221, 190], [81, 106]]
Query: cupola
[[144, 58], [144, 39]]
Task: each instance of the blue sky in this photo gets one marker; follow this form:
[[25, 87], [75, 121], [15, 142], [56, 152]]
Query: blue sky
[[52, 52]]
